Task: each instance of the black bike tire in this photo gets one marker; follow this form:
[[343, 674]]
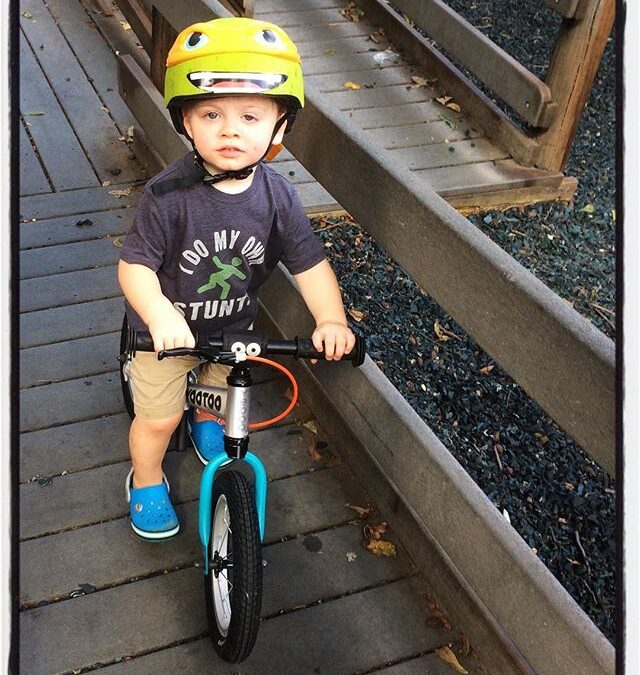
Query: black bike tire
[[246, 594], [126, 389]]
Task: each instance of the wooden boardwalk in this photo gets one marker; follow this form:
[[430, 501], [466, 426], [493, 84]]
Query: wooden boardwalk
[[92, 596]]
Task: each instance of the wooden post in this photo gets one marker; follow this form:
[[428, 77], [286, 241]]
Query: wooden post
[[163, 35], [573, 67]]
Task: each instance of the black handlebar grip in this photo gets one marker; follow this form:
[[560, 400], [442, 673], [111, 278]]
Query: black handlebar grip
[[306, 350]]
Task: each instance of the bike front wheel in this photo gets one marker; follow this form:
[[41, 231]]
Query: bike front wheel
[[233, 585]]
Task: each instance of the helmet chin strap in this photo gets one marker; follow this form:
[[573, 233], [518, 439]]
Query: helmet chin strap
[[203, 176]]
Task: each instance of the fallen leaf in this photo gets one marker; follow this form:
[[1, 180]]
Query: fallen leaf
[[450, 123], [487, 369], [104, 108], [439, 615], [570, 486], [382, 548], [465, 645], [105, 183], [419, 81], [329, 52], [588, 208], [117, 242], [444, 99], [120, 193], [352, 12], [352, 85], [374, 531], [454, 106], [313, 453], [34, 113], [27, 15], [351, 556], [439, 332], [449, 657], [360, 510], [125, 25], [311, 425], [357, 314]]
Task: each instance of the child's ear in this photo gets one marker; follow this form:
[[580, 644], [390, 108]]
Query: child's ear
[[277, 139], [186, 121]]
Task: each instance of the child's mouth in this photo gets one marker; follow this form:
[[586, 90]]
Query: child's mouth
[[229, 151]]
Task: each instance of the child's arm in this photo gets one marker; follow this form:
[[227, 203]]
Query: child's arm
[[320, 291], [167, 326]]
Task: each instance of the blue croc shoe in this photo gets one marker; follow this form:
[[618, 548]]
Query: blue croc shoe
[[152, 514], [207, 437]]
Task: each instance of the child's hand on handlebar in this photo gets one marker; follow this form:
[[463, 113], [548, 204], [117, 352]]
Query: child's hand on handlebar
[[334, 339], [169, 330]]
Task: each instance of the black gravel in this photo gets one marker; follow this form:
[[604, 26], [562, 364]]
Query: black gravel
[[557, 498]]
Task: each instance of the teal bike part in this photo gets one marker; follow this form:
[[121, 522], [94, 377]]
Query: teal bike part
[[206, 491]]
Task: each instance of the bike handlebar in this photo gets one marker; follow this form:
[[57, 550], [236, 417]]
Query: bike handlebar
[[252, 343]]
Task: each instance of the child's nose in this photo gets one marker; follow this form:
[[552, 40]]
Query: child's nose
[[229, 128]]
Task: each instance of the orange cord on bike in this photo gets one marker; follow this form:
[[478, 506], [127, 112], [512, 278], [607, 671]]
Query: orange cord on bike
[[265, 423]]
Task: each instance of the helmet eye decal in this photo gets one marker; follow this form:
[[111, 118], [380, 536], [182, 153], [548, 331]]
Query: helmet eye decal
[[195, 41], [233, 83], [269, 38]]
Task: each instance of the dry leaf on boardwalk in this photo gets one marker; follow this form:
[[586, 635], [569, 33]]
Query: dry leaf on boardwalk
[[311, 425], [120, 193], [448, 102], [487, 369], [437, 328], [439, 615], [352, 85], [352, 12], [374, 531], [117, 242], [313, 453], [381, 547], [449, 657], [360, 510]]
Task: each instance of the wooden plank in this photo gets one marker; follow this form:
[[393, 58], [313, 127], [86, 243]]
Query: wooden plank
[[68, 360], [86, 444], [50, 130], [431, 664], [566, 8], [366, 79], [507, 199], [307, 17], [458, 153], [299, 504], [90, 200], [375, 98], [105, 555], [271, 6], [315, 199], [395, 613], [293, 171], [72, 401], [353, 46], [421, 134], [94, 54], [571, 72], [32, 178], [67, 229], [91, 121], [335, 63], [67, 322], [476, 179], [79, 255], [68, 288], [163, 37], [409, 113], [319, 32], [174, 609], [529, 96]]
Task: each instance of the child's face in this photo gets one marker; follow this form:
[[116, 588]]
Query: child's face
[[232, 132]]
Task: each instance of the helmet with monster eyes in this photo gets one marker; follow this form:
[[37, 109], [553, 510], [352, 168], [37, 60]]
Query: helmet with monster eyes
[[233, 56]]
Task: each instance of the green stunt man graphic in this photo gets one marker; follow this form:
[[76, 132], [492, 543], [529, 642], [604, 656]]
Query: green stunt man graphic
[[220, 277]]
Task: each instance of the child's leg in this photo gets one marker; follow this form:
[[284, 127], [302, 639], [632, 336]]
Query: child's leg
[[158, 389], [211, 375]]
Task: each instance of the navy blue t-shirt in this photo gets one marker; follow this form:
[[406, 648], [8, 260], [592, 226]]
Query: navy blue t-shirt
[[212, 250]]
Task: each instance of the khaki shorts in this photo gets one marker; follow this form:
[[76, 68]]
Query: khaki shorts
[[158, 387]]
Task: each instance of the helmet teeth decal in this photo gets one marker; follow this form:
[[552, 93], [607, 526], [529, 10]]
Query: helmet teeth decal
[[228, 83]]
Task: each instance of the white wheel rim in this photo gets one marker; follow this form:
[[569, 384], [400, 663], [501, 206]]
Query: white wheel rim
[[220, 584]]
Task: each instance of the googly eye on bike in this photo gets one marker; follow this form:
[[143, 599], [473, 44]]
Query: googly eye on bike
[[232, 509]]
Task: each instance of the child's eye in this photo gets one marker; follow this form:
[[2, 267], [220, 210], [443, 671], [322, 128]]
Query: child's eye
[[212, 115], [249, 118]]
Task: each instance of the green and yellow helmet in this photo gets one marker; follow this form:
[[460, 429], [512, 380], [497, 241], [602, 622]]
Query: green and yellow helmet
[[232, 56]]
